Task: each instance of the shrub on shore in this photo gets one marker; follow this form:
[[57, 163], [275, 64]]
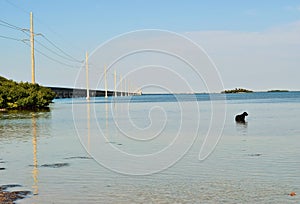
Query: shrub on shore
[[23, 95]]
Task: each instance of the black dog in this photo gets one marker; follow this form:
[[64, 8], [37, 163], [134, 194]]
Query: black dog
[[241, 118]]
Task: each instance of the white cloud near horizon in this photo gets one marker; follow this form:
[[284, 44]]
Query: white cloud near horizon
[[264, 60], [257, 60]]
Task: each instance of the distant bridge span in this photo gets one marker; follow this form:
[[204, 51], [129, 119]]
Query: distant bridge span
[[78, 93]]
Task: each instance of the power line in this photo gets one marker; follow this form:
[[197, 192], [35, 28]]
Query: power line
[[69, 57], [6, 24], [10, 38], [40, 52], [41, 22], [50, 50], [51, 58], [41, 44], [17, 7], [60, 49], [66, 57]]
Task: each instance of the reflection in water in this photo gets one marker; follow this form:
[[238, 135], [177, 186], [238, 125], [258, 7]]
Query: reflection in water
[[22, 125], [116, 132], [35, 170], [18, 124], [242, 128], [106, 123], [88, 125]]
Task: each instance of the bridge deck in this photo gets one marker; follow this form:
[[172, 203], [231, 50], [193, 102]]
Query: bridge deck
[[76, 93]]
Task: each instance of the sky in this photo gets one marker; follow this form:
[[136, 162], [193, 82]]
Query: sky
[[251, 44]]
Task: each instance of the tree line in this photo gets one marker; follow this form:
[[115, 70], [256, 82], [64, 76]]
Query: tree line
[[24, 95]]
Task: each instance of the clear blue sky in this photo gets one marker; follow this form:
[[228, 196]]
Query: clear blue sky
[[80, 25]]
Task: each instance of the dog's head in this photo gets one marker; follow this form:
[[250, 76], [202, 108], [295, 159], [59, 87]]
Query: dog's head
[[245, 113]]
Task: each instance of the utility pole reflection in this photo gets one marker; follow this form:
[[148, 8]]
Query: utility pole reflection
[[88, 124], [35, 170]]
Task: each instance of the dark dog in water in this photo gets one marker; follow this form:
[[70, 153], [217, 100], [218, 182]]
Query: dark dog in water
[[241, 118]]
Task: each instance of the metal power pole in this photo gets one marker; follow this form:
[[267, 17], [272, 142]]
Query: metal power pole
[[105, 81], [87, 76], [121, 87], [115, 80], [125, 87], [32, 49]]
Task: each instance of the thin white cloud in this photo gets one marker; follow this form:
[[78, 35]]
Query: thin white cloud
[[257, 60]]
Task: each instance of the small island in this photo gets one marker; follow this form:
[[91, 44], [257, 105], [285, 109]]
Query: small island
[[237, 90], [23, 95], [278, 90]]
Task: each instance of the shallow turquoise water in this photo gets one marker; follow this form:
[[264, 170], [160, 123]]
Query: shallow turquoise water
[[257, 162]]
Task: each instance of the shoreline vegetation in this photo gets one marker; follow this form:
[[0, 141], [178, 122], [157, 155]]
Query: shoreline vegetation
[[23, 95], [242, 90], [237, 90], [278, 90]]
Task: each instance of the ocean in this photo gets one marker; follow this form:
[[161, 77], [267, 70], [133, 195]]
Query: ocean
[[156, 148]]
